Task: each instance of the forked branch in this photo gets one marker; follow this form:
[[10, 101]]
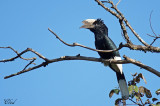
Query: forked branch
[[155, 36], [63, 58], [77, 44], [122, 19], [19, 55]]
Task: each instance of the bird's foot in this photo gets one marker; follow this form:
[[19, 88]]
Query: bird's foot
[[110, 60], [106, 63]]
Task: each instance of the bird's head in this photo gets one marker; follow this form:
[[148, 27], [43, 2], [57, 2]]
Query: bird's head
[[95, 25]]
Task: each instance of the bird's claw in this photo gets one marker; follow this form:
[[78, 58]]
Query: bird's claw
[[110, 60]]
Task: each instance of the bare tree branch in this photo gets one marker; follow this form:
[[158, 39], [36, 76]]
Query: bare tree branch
[[125, 34], [142, 65], [63, 58], [109, 10], [118, 2], [127, 23], [151, 24], [135, 102], [155, 35], [77, 44], [154, 40], [19, 55], [129, 44], [121, 18], [142, 48], [29, 63]]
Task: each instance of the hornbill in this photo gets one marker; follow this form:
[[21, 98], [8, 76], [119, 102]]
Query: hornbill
[[103, 42]]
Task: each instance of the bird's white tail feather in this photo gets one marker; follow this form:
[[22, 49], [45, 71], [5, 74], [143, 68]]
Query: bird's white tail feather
[[119, 66]]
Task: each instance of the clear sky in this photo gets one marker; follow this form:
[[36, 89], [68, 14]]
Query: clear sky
[[24, 23]]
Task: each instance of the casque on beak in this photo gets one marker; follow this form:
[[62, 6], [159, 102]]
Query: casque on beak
[[88, 24]]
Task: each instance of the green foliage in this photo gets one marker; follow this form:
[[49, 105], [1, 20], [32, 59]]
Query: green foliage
[[116, 91], [139, 93]]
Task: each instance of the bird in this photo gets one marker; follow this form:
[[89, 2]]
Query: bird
[[103, 42]]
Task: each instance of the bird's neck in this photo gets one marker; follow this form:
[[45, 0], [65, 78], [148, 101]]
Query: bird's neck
[[99, 36], [100, 33]]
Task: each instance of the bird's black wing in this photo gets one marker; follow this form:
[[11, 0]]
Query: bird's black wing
[[106, 44]]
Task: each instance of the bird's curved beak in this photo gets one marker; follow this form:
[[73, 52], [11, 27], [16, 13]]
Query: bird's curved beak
[[87, 25]]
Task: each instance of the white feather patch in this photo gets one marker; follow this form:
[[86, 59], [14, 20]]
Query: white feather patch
[[119, 65], [116, 67]]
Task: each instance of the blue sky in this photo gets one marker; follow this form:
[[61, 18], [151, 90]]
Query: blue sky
[[24, 24]]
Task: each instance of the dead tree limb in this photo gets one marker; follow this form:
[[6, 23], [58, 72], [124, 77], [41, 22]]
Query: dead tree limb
[[19, 55], [129, 44], [155, 35], [120, 16], [77, 44], [142, 65], [63, 58]]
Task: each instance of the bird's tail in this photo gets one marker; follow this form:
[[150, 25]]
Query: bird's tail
[[123, 85]]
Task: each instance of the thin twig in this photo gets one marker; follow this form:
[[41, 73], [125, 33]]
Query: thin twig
[[77, 44], [151, 35], [141, 101], [118, 2], [135, 102], [109, 10], [129, 45], [124, 102], [29, 63], [155, 37], [154, 40], [38, 54], [20, 54], [151, 23]]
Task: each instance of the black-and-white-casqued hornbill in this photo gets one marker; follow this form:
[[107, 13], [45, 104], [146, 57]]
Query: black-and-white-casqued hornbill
[[103, 42]]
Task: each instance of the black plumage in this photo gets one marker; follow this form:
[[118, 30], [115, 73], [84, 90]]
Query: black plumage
[[103, 42]]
